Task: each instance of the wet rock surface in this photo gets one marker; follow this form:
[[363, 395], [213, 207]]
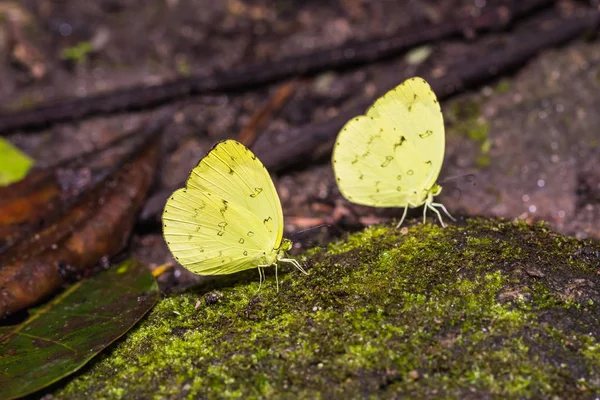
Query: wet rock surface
[[485, 309]]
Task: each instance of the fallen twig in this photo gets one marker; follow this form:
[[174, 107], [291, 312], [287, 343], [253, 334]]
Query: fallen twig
[[297, 146], [350, 54], [252, 130]]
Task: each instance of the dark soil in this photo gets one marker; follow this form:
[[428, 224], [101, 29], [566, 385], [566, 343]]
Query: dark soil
[[530, 139]]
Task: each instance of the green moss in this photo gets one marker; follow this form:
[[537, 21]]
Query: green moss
[[590, 349], [23, 102], [503, 86], [486, 309], [478, 132], [182, 66], [357, 240], [483, 161], [78, 53], [467, 121]]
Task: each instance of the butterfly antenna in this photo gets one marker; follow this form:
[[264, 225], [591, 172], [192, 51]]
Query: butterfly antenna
[[468, 177], [309, 229]]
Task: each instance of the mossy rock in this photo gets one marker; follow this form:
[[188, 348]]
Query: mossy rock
[[483, 309]]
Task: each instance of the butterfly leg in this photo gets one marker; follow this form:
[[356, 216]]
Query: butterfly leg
[[440, 205], [261, 277], [403, 216], [437, 212], [425, 213], [295, 263]]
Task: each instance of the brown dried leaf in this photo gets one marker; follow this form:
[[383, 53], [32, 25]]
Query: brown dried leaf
[[45, 195], [97, 225]]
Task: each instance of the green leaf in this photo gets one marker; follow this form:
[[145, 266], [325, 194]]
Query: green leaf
[[14, 164], [64, 334], [77, 53]]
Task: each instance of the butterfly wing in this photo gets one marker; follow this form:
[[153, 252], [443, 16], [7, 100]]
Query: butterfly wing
[[232, 172], [228, 217], [392, 155], [210, 236]]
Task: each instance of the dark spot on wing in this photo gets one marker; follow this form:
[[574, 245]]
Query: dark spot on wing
[[222, 226], [427, 133], [388, 160], [224, 208], [399, 143], [372, 138]]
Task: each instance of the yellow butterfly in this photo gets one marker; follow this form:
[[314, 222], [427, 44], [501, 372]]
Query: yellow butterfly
[[228, 218], [392, 155]]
